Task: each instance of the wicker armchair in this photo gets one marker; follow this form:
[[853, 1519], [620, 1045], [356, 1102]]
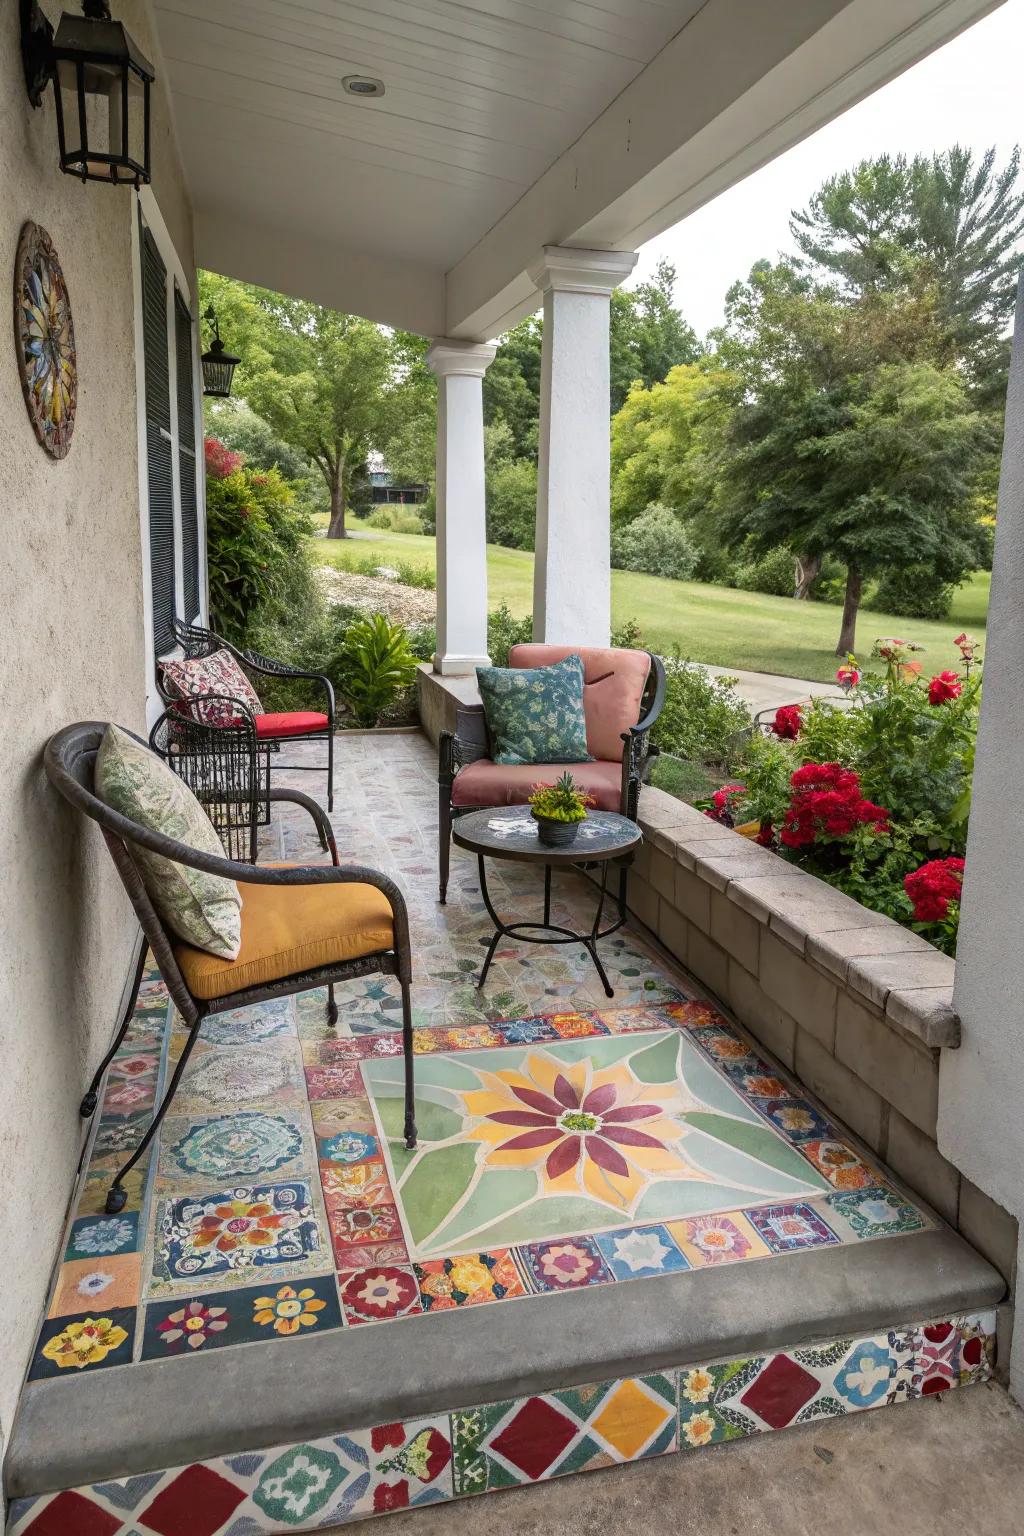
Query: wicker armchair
[[618, 733], [272, 730], [69, 760]]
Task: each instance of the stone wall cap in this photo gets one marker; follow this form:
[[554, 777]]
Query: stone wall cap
[[928, 1013]]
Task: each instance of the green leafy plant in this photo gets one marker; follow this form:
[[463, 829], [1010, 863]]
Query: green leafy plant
[[504, 631], [375, 667], [655, 542], [562, 801], [703, 717]]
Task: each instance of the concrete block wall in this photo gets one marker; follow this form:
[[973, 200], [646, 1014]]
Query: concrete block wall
[[857, 1007]]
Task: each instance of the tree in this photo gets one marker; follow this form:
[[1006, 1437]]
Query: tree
[[512, 386], [875, 470], [648, 334], [662, 441], [949, 221], [318, 378]]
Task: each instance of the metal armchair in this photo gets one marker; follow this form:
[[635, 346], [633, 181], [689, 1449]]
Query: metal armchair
[[69, 760], [272, 730], [614, 784]]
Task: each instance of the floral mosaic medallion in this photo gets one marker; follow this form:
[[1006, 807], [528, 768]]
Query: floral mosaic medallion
[[69, 1345], [45, 336], [575, 1135], [374, 1295], [226, 1078], [238, 1229], [97, 1236], [788, 1228], [467, 1280], [245, 1144]]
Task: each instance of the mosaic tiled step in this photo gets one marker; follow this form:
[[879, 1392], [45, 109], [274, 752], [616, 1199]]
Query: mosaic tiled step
[[338, 1478]]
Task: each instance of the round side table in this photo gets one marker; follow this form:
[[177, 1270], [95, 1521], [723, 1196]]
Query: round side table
[[510, 832]]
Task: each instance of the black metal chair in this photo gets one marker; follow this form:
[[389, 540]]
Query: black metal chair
[[272, 730], [69, 760]]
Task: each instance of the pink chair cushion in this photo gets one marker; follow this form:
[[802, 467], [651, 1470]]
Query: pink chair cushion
[[613, 686], [489, 784]]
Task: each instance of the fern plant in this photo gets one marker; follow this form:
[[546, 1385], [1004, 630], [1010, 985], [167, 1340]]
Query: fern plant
[[375, 665]]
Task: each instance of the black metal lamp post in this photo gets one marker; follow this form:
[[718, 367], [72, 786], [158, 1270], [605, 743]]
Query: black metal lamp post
[[91, 55], [218, 365]]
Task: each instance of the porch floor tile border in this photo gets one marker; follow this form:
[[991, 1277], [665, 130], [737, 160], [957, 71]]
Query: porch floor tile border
[[306, 1485]]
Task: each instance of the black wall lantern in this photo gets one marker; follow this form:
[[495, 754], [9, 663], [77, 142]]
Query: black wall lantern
[[91, 56], [218, 365]]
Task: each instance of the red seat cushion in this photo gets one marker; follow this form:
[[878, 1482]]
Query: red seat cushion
[[295, 723], [487, 784]]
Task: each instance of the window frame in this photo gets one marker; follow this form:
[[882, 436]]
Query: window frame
[[178, 284]]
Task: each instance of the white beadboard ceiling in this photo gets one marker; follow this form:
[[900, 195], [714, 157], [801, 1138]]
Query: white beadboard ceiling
[[482, 97]]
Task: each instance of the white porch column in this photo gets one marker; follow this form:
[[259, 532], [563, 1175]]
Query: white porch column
[[461, 526], [981, 1085], [572, 568]]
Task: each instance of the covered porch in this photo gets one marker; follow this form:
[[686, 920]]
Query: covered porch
[[294, 1322]]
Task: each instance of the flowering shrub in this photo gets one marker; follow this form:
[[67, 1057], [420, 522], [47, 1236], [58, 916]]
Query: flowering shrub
[[873, 795], [723, 802], [787, 722], [933, 888], [221, 461], [827, 805]]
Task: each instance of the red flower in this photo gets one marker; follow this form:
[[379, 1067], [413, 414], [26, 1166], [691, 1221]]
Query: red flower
[[220, 461], [944, 687], [787, 722], [848, 677], [932, 887], [827, 803], [722, 808]]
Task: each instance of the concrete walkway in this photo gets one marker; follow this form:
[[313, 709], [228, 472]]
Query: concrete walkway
[[940, 1466], [767, 690]]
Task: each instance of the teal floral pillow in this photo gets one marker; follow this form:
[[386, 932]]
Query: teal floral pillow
[[535, 714]]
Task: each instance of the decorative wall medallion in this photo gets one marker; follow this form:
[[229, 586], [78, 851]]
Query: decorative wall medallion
[[45, 337]]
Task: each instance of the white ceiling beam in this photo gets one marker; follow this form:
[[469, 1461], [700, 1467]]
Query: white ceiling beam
[[741, 82]]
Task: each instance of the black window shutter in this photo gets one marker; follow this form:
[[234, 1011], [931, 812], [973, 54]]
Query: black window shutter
[[158, 442], [187, 458]]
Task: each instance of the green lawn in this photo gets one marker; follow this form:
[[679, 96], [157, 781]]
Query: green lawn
[[719, 625]]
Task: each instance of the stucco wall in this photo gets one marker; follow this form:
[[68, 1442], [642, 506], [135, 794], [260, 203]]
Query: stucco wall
[[71, 647]]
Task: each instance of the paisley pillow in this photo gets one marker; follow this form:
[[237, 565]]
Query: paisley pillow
[[203, 909], [535, 714], [217, 673]]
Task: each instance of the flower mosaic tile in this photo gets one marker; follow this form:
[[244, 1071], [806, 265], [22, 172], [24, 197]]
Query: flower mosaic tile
[[308, 1485]]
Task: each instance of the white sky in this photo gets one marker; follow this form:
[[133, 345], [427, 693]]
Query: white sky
[[968, 92]]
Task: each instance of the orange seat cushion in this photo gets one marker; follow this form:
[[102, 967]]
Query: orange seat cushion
[[287, 929], [485, 783]]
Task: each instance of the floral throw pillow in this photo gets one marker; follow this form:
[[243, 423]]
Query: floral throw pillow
[[218, 673], [535, 714], [203, 909]]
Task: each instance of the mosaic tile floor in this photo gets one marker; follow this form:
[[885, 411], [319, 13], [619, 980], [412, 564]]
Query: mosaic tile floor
[[565, 1139]]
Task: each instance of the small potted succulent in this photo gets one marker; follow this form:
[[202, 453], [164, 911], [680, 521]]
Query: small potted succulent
[[558, 810]]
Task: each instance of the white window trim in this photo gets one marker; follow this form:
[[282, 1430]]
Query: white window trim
[[154, 221]]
